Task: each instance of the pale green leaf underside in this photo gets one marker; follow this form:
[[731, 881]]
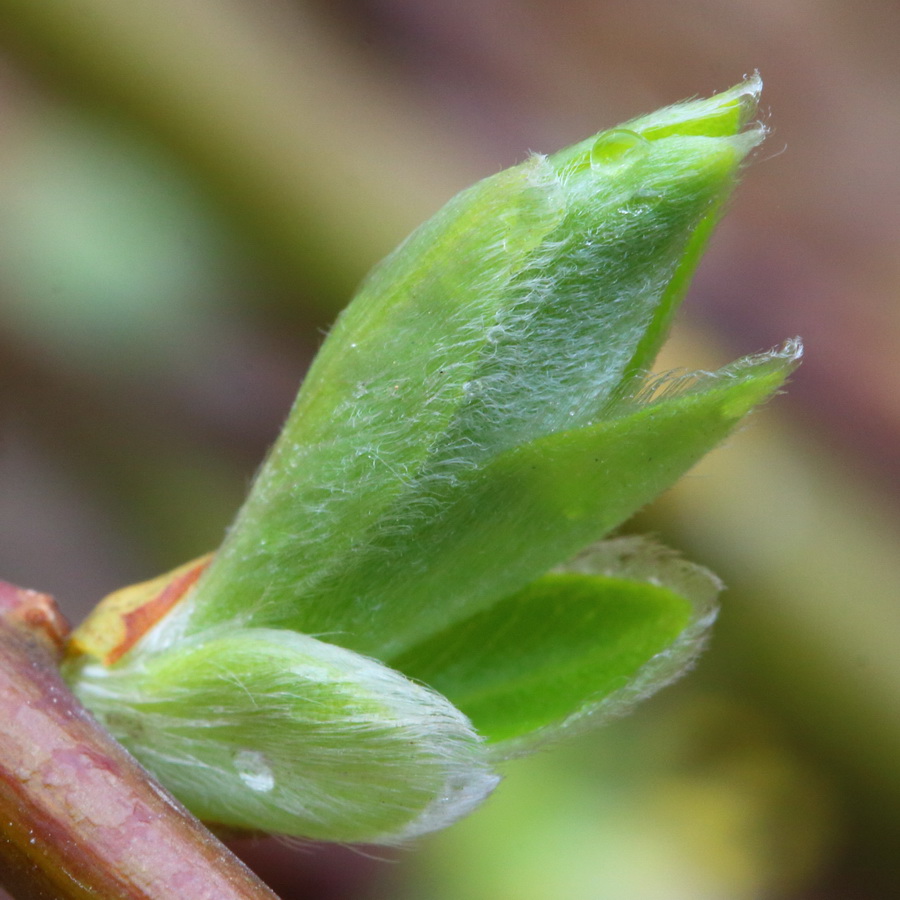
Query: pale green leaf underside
[[276, 731]]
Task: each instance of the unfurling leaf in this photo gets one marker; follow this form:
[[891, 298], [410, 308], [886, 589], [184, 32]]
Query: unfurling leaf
[[479, 415]]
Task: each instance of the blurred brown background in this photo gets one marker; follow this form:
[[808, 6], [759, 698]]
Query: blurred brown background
[[190, 190]]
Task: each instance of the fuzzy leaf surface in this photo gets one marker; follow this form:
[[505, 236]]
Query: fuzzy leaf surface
[[275, 731], [499, 527], [517, 315]]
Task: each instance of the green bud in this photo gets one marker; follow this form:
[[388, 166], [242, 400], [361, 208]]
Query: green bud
[[479, 415], [526, 309]]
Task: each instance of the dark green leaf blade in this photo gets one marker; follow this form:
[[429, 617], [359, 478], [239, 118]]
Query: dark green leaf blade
[[579, 643]]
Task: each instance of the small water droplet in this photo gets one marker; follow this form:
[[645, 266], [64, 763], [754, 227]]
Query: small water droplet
[[254, 770], [616, 149], [633, 210]]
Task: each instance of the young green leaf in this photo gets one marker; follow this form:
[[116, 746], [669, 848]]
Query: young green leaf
[[580, 644]]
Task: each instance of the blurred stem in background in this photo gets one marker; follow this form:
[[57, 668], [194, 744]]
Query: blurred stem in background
[[814, 619], [318, 161]]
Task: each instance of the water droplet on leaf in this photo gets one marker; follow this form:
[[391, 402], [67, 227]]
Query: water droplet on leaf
[[254, 770], [617, 148]]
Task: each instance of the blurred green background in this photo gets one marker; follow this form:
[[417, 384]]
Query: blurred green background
[[190, 190]]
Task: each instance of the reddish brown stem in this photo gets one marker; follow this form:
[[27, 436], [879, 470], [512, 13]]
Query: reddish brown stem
[[79, 818]]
